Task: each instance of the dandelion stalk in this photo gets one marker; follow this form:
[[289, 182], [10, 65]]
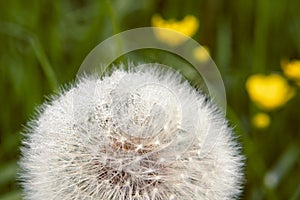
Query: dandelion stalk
[[115, 26], [45, 64], [20, 33]]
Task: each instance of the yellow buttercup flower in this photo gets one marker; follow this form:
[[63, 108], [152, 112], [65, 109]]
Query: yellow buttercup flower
[[261, 120], [188, 26], [201, 54], [269, 91], [292, 69]]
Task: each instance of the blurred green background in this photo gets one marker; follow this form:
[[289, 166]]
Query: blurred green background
[[43, 43]]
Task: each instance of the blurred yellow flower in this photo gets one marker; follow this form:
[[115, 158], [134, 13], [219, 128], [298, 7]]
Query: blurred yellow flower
[[188, 26], [261, 120], [201, 54], [269, 91], [292, 70]]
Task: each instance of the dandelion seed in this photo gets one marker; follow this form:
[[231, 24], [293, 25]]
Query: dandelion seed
[[132, 135]]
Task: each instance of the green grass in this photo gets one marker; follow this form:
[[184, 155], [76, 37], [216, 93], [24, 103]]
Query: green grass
[[43, 44]]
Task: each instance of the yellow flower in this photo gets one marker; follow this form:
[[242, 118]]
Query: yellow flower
[[291, 69], [269, 92], [201, 54], [261, 120], [188, 26]]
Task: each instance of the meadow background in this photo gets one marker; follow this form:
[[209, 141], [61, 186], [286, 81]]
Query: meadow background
[[43, 43]]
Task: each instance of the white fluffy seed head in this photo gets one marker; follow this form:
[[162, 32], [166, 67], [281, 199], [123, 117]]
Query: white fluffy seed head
[[137, 134]]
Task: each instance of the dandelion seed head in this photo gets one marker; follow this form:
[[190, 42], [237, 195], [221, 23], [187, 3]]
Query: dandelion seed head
[[135, 134]]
